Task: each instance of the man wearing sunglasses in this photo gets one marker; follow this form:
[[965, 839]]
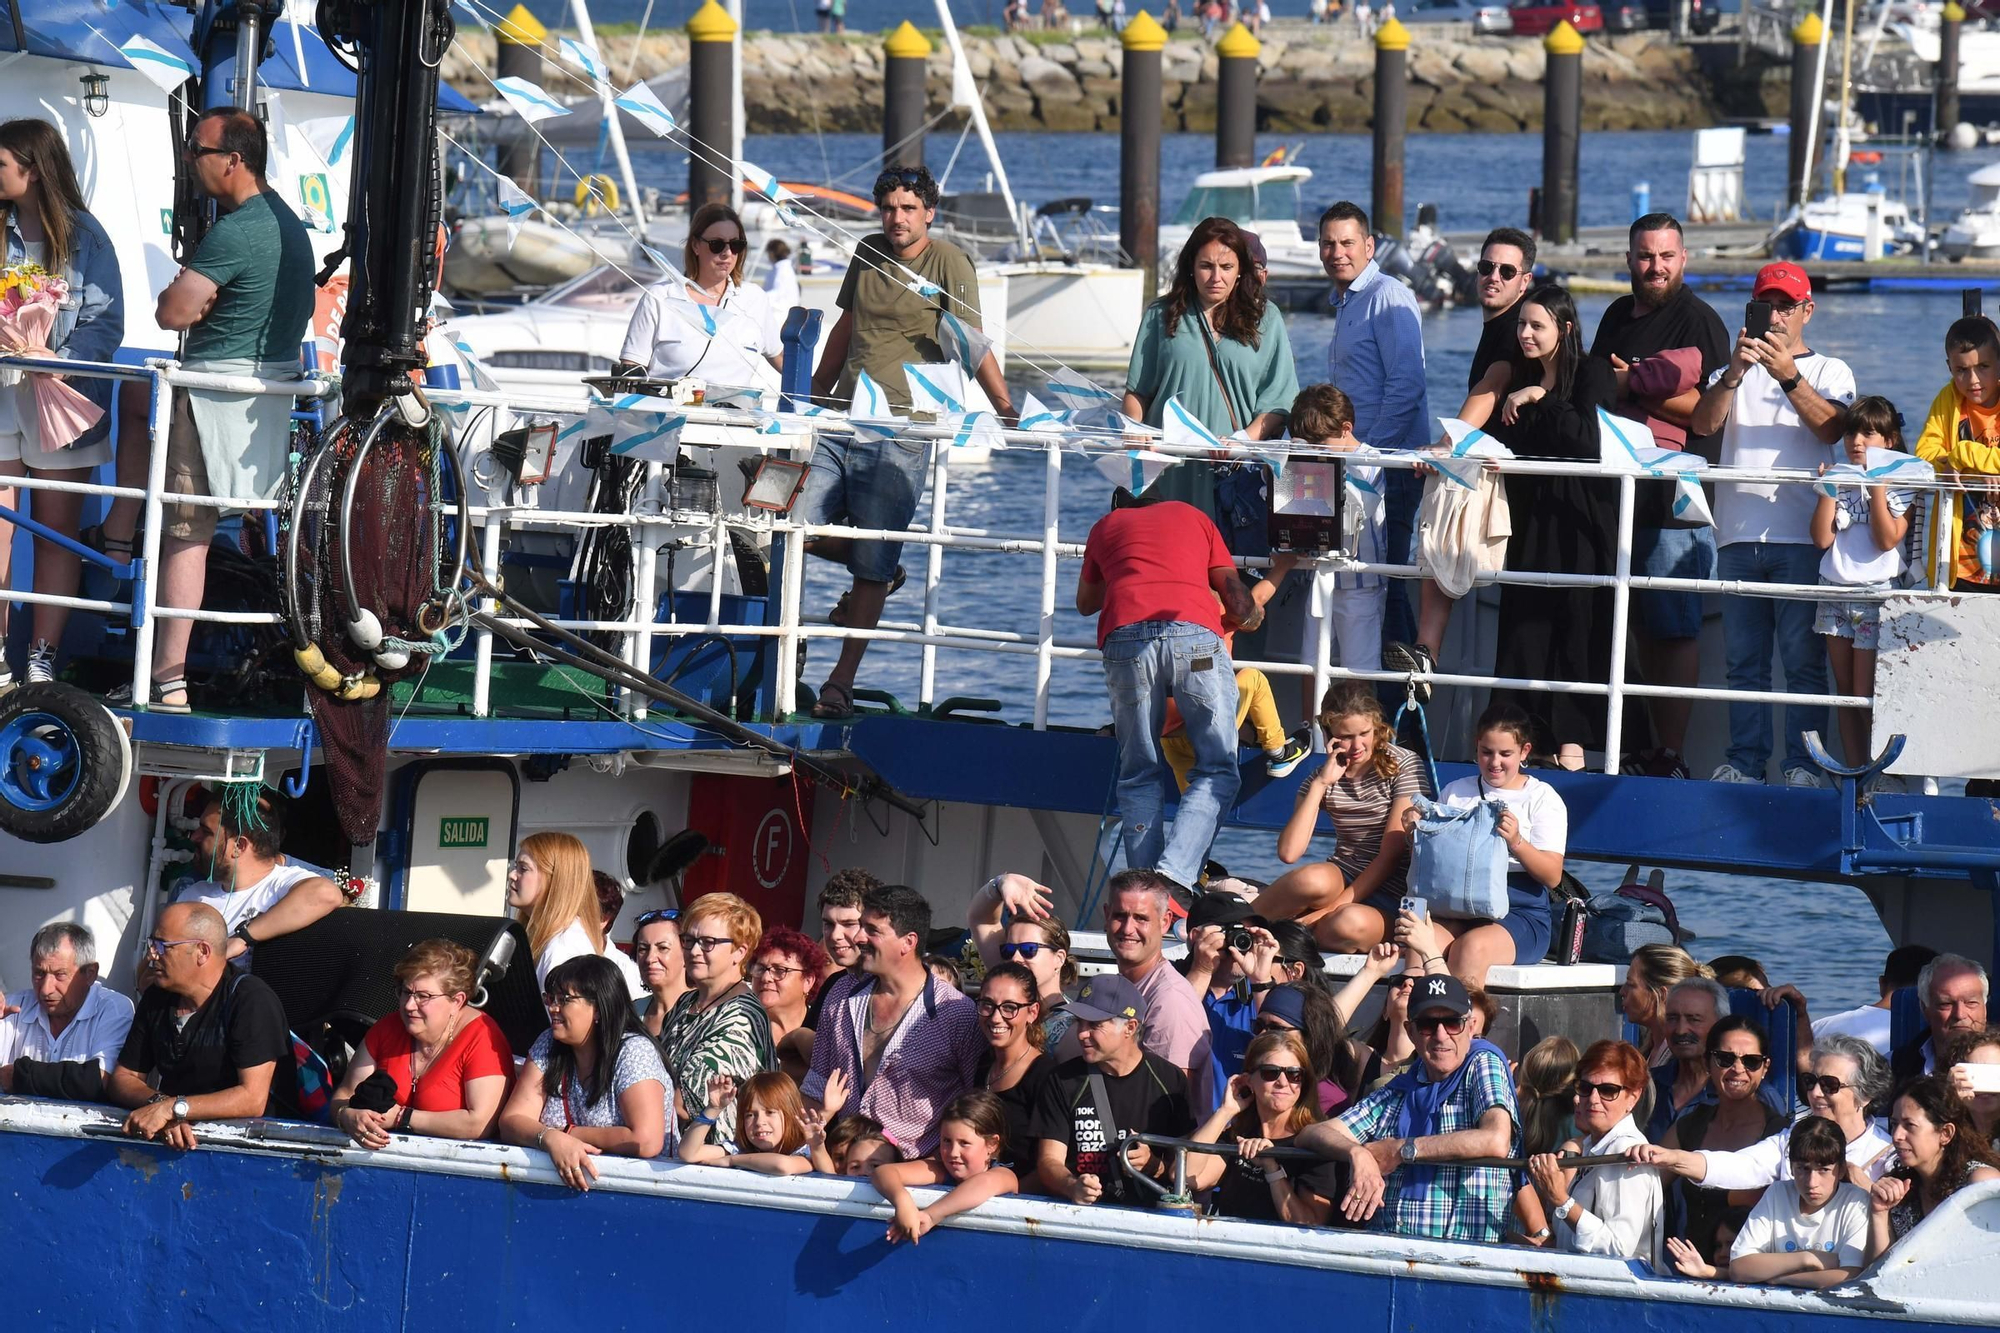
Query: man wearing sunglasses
[[1506, 267], [1777, 404], [213, 1040], [900, 285], [1456, 1102], [244, 301]]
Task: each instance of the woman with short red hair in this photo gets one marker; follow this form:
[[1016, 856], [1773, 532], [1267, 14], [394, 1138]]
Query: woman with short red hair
[[784, 975], [1613, 1210]]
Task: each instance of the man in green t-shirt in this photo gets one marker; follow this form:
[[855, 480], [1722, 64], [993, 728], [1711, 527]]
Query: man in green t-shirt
[[897, 287], [244, 302]]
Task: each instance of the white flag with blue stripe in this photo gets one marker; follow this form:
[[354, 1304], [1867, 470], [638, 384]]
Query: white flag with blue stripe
[[967, 345], [158, 64], [330, 136], [584, 56], [517, 204], [1470, 445], [1625, 445], [1885, 467], [529, 99], [643, 105], [1093, 404], [935, 387], [870, 413], [1042, 419], [650, 437]]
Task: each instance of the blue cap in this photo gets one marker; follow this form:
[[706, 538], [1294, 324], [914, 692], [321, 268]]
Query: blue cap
[[1108, 996], [1287, 1002]]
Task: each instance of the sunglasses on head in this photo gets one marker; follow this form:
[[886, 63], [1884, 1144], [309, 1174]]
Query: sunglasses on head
[[658, 914], [1728, 1059], [1272, 1073], [1432, 1022], [1827, 1084], [1507, 272], [716, 245], [907, 177], [1023, 950]]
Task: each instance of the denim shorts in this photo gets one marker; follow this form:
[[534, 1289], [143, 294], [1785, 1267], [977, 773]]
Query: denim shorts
[[1859, 621], [1671, 553], [866, 483]]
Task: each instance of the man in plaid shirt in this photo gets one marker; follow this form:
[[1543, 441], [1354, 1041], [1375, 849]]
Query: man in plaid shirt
[[1456, 1102]]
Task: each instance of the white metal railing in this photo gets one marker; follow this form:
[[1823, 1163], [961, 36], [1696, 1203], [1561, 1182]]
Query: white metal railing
[[653, 515]]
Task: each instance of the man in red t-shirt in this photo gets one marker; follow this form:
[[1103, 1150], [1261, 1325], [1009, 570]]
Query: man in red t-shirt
[[1155, 571]]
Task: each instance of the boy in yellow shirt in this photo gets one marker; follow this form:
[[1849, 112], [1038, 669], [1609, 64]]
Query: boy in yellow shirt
[[1962, 435]]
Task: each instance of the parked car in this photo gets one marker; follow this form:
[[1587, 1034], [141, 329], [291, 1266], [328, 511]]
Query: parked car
[[1624, 15], [1536, 18], [1489, 19], [1703, 15]]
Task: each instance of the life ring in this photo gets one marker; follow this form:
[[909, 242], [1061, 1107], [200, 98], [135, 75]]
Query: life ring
[[65, 762], [1867, 157], [596, 191]]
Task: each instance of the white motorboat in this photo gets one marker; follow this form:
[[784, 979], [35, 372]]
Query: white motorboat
[[1975, 232], [1264, 200], [1857, 224]]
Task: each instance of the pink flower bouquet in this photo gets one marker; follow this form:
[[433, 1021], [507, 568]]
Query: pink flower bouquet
[[30, 299]]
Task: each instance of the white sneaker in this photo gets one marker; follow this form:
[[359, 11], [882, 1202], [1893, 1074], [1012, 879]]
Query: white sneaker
[[1730, 773], [1887, 783], [1803, 777], [41, 663]]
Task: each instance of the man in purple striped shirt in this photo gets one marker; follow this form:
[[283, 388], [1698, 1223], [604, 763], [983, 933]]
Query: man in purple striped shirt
[[905, 1043]]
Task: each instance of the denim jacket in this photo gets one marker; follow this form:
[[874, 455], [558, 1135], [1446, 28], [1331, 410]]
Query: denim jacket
[[91, 324]]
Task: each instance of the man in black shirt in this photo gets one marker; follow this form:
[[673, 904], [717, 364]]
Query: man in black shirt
[[215, 1038], [1662, 315], [1113, 1091], [1506, 269]]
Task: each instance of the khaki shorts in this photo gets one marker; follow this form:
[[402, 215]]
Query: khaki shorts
[[187, 474]]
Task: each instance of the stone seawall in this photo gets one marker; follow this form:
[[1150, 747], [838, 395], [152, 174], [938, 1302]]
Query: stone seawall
[[1309, 81]]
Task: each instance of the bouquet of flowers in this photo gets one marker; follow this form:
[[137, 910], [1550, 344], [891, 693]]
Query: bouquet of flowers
[[30, 298]]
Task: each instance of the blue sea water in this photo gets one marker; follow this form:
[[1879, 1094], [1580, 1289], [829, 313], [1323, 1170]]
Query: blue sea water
[[1825, 939]]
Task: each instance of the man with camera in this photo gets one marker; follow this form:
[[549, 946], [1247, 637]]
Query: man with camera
[[1778, 404], [1230, 958]]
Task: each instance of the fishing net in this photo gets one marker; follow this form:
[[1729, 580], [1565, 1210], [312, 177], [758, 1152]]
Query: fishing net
[[394, 532]]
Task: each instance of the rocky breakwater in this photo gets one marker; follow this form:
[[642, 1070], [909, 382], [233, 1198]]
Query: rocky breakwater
[[1308, 81]]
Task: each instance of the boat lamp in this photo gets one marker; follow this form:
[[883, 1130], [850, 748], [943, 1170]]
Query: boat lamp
[[96, 93]]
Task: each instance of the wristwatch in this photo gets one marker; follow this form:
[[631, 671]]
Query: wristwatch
[[242, 932], [1408, 1152], [1786, 386], [180, 1108]]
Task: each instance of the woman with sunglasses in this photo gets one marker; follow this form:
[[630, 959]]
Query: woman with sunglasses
[[434, 1065], [1265, 1107], [662, 963], [1613, 1210], [1016, 1066], [1344, 1065], [1938, 1152], [1849, 1077], [593, 1083], [718, 1027], [1739, 1057], [1012, 920], [784, 977], [706, 322]]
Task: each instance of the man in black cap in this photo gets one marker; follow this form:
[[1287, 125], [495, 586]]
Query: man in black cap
[[1230, 978], [1455, 1102], [1114, 1090]]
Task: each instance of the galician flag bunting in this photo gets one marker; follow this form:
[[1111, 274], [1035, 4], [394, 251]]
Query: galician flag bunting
[[644, 106], [1469, 446], [157, 63], [1627, 446], [529, 99], [584, 56], [968, 345], [516, 203], [1885, 467], [936, 388]]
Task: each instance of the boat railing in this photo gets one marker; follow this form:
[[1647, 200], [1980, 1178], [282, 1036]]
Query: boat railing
[[790, 434]]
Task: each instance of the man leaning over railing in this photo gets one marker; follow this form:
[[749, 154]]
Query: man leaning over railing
[[244, 301], [1457, 1102]]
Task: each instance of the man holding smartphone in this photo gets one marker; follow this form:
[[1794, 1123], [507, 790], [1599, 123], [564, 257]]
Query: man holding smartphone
[[1778, 404]]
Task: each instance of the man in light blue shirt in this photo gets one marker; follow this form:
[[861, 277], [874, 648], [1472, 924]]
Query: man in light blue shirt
[[1377, 360]]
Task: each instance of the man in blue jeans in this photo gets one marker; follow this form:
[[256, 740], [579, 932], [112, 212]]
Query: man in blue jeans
[[1778, 404], [1166, 586]]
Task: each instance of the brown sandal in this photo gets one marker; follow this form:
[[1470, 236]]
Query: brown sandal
[[836, 702]]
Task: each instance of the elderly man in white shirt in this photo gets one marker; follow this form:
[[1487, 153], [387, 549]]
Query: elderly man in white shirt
[[69, 1030]]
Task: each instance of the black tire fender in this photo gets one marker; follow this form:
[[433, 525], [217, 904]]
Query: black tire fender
[[51, 722]]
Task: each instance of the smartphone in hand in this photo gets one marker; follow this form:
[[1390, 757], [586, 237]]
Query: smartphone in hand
[[1984, 1078], [1420, 908], [1756, 318]]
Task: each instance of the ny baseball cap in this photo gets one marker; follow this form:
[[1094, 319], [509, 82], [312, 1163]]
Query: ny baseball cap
[[1439, 992], [1786, 280], [1108, 996]]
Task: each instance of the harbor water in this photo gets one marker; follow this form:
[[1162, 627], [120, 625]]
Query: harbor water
[[1832, 944]]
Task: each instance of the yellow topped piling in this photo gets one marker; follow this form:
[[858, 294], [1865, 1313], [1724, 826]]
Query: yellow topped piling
[[906, 43], [1392, 36], [1143, 33], [1563, 40], [711, 23], [1238, 43]]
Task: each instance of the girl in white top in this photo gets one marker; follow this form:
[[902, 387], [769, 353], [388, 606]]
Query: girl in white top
[[1861, 530], [1810, 1230], [550, 890], [711, 325], [1535, 827]]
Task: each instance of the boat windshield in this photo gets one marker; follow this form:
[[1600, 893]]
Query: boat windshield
[[603, 288], [1272, 201]]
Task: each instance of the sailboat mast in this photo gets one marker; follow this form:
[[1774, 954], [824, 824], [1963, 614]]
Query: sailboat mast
[[580, 11], [960, 70], [1846, 98], [735, 8], [1819, 105]]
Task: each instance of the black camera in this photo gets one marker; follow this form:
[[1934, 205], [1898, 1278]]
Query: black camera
[[1241, 940]]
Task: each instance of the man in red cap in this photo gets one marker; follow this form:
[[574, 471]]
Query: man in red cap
[[1778, 404]]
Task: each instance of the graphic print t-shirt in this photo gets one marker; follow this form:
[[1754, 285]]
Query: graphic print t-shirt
[[1152, 1099]]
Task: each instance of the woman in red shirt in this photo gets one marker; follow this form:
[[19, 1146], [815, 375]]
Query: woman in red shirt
[[435, 1066]]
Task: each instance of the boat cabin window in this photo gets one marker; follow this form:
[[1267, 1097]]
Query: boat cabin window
[[581, 363], [1273, 201], [604, 287], [1278, 201]]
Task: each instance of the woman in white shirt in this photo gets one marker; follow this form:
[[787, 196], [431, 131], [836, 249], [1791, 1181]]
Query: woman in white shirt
[[709, 324], [550, 889], [781, 279], [1613, 1210]]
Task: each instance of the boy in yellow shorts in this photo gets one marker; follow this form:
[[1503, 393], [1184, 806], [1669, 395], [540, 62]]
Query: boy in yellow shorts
[[1254, 704]]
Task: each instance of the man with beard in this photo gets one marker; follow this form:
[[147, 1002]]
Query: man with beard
[[1506, 267], [1660, 316]]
